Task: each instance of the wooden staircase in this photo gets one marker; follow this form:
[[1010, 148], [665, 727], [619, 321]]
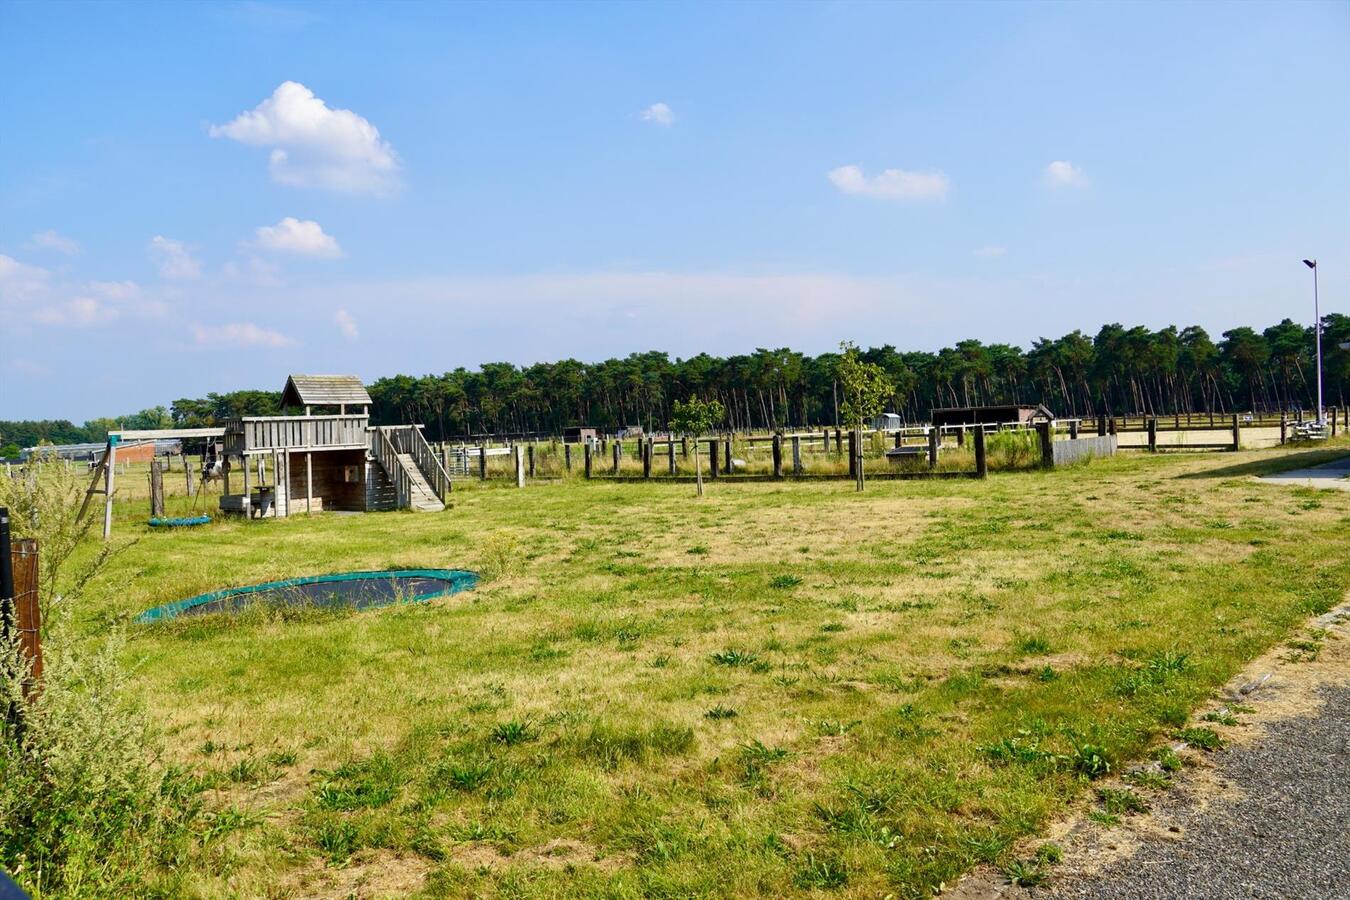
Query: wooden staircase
[[420, 481], [421, 497]]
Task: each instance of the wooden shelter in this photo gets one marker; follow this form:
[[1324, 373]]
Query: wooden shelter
[[335, 460], [1008, 414], [333, 392]]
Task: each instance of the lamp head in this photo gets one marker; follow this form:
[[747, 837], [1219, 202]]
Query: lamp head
[[1310, 263]]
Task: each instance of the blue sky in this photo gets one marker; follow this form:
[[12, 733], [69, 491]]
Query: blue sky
[[200, 197]]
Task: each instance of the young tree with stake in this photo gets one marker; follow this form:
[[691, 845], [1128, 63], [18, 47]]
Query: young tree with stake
[[866, 386], [695, 418]]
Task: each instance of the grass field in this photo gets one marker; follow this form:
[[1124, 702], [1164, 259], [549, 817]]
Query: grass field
[[777, 690]]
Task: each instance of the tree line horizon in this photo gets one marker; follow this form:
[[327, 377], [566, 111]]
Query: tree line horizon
[[1119, 371]]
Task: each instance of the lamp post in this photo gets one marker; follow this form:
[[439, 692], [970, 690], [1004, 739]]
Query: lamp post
[[1317, 330]]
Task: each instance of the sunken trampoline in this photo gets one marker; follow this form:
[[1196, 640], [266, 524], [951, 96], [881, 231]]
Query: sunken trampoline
[[359, 590]]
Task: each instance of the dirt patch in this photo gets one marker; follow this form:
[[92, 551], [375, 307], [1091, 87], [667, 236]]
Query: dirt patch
[[558, 854], [378, 874]]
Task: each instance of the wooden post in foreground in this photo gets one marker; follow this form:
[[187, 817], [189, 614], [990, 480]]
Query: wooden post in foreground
[[1101, 425], [712, 458], [796, 455], [670, 454], [1237, 433], [1284, 427], [646, 448], [981, 460], [1047, 436], [617, 453], [728, 468], [852, 453], [109, 477], [519, 455], [156, 489], [586, 452], [777, 454], [530, 451], [934, 443], [482, 462], [1153, 434]]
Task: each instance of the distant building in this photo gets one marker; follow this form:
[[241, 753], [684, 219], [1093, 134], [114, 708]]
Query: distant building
[[886, 422], [991, 415], [580, 434], [132, 451]]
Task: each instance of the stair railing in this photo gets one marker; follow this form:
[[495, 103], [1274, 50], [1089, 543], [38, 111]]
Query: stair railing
[[387, 456], [427, 461]]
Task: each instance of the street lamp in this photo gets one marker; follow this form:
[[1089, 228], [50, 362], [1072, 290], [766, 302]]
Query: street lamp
[[1317, 319]]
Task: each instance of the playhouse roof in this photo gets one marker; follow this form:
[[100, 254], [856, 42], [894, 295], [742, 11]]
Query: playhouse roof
[[324, 390]]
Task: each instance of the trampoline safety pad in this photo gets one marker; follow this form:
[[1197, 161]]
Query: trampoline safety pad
[[358, 590]]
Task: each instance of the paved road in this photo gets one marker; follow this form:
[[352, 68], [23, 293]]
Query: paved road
[[1287, 837], [1335, 474]]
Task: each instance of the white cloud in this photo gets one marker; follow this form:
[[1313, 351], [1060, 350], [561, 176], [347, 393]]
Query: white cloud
[[892, 184], [115, 290], [291, 235], [254, 270], [240, 334], [314, 145], [991, 252], [80, 312], [659, 114], [50, 240], [174, 259], [19, 281], [1061, 174], [346, 324]]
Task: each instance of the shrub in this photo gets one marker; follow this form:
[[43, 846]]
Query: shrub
[[82, 808]]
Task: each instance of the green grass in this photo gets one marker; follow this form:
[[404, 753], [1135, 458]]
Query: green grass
[[943, 670]]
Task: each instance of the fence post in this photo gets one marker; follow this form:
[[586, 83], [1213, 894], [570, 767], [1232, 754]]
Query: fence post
[[1101, 425], [852, 453], [796, 454], [156, 489], [838, 441], [519, 455], [712, 457], [617, 455], [1284, 427], [825, 440], [934, 444], [482, 462], [646, 446], [586, 454], [1153, 434], [567, 457], [530, 451], [961, 436], [777, 454], [1073, 429], [670, 454], [1047, 435], [981, 459], [1237, 433], [684, 446], [1111, 425]]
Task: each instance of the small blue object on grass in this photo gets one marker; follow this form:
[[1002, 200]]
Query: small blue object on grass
[[182, 522]]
